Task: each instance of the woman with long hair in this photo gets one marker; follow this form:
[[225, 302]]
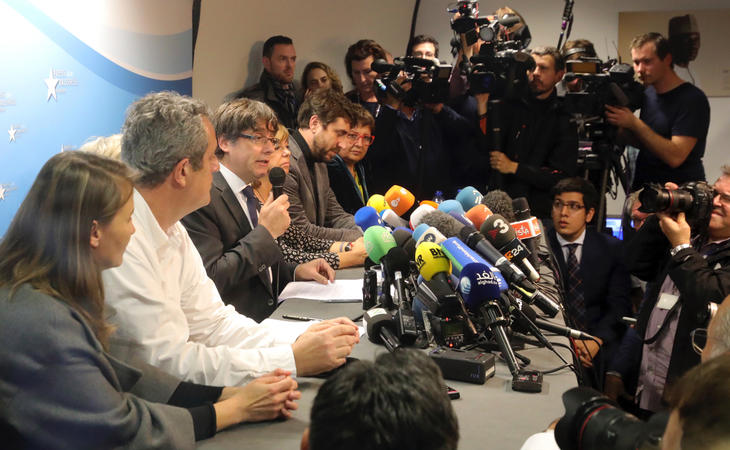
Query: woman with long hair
[[296, 245], [58, 386], [318, 75]]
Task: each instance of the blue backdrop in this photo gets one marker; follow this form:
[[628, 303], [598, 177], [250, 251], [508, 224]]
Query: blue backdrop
[[68, 71]]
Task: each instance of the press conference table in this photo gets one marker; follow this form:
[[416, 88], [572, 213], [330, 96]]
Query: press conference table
[[491, 416]]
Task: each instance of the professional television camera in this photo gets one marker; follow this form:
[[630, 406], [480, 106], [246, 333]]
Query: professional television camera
[[413, 80], [591, 421]]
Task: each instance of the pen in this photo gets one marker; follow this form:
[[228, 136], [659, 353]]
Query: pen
[[300, 318]]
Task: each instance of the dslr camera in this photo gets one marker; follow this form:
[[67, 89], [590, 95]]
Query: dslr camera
[[693, 198]]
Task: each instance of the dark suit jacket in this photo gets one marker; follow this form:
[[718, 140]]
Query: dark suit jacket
[[606, 285], [344, 186], [263, 91], [315, 210], [235, 256]]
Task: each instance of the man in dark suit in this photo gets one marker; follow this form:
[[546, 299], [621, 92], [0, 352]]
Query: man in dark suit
[[325, 120], [594, 277], [235, 233]]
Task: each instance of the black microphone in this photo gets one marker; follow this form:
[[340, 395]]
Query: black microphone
[[562, 330], [277, 176], [523, 320], [404, 240], [500, 233], [381, 328], [499, 202]]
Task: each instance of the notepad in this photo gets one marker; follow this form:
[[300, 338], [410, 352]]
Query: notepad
[[340, 291]]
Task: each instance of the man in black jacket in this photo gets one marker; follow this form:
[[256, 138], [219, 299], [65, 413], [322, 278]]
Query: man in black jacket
[[687, 273], [276, 86]]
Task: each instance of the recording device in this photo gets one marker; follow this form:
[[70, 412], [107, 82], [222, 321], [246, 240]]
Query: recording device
[[277, 176], [381, 328], [693, 198], [471, 366], [609, 83], [369, 289], [527, 381], [592, 421], [500, 233], [428, 79]]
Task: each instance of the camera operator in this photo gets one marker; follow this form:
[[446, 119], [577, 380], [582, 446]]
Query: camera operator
[[410, 149], [689, 268], [577, 49], [671, 130], [540, 145]]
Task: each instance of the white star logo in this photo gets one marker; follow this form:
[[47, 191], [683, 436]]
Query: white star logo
[[51, 83], [12, 132]]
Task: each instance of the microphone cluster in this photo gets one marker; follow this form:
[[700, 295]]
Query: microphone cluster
[[443, 281]]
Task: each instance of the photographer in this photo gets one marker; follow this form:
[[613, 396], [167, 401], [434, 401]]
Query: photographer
[[540, 145], [689, 268], [411, 148]]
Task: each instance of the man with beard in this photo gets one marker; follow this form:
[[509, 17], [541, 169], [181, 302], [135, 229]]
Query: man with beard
[[539, 144], [325, 119]]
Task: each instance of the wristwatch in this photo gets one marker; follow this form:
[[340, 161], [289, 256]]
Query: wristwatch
[[678, 248]]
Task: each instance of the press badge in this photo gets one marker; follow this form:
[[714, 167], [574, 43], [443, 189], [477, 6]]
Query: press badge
[[667, 301]]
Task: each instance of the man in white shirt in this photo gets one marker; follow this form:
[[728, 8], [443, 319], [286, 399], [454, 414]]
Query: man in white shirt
[[166, 309]]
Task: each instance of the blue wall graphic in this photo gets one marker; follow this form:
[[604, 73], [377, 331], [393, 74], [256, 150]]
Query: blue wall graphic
[[69, 70]]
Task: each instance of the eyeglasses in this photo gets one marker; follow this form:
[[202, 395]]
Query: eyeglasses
[[724, 198], [572, 206], [367, 139], [699, 339], [261, 140]]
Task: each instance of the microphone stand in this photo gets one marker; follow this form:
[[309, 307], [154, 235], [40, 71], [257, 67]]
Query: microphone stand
[[495, 321]]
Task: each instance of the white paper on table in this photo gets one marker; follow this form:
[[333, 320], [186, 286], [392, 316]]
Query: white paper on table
[[341, 291]]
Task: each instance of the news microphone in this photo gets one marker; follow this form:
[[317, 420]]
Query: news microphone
[[527, 227], [523, 321], [381, 328], [562, 330], [419, 230], [445, 223], [430, 235], [478, 214], [367, 217], [418, 213], [391, 219], [499, 202], [477, 283], [448, 206], [399, 199], [378, 202], [378, 241], [500, 233], [461, 218], [277, 177], [404, 239], [431, 261], [469, 197], [462, 257]]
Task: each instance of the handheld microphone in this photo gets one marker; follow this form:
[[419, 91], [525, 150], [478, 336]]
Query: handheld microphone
[[381, 328], [367, 217], [277, 177], [469, 197], [523, 321], [419, 230], [478, 214], [477, 283], [431, 235], [500, 233], [378, 241], [378, 202], [431, 261], [526, 226], [445, 223], [399, 199], [500, 203], [418, 213], [431, 203], [462, 257], [404, 240], [448, 206], [562, 330], [461, 218], [391, 219]]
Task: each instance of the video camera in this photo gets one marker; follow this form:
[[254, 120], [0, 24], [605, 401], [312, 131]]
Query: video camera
[[601, 84], [591, 421], [428, 79]]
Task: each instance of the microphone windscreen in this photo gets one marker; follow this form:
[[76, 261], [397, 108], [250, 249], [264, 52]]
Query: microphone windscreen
[[418, 232], [451, 205], [498, 231], [478, 214], [404, 240], [402, 229], [521, 208], [447, 225], [391, 218], [378, 241], [399, 199], [500, 203], [418, 213], [431, 235], [430, 260], [477, 284], [429, 203], [461, 218], [394, 260], [367, 217], [378, 202], [469, 197]]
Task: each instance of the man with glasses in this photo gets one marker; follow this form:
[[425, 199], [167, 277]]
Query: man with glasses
[[325, 121], [595, 281], [689, 268], [348, 176], [235, 232]]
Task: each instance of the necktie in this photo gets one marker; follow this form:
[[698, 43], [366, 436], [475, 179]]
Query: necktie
[[576, 303], [252, 203]]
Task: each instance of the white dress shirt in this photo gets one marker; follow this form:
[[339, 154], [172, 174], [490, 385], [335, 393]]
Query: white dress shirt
[[169, 313], [578, 250]]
